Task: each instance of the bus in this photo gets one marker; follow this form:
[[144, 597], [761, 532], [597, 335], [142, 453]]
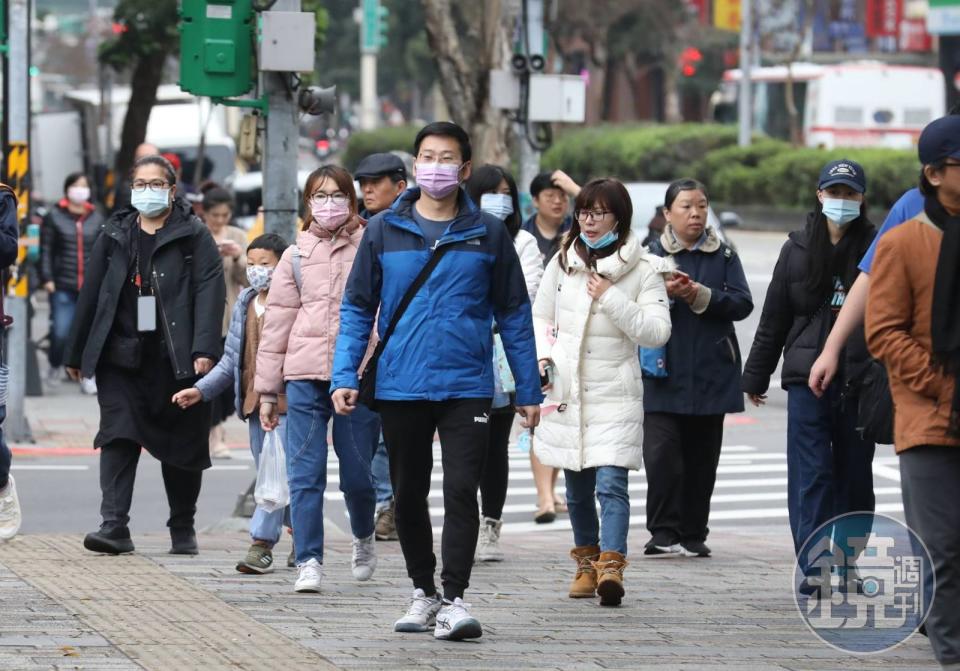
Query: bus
[[855, 104]]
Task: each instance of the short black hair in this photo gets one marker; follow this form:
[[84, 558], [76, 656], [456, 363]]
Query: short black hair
[[271, 242], [155, 159], [445, 129], [542, 182], [217, 195], [681, 185], [72, 179], [486, 179]]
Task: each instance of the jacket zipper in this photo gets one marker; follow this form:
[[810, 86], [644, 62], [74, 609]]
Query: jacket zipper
[[166, 325]]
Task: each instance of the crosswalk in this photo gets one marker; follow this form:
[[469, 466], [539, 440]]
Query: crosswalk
[[751, 489]]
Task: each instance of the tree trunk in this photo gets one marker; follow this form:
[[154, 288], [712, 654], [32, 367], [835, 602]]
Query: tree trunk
[[143, 94], [671, 93], [464, 80]]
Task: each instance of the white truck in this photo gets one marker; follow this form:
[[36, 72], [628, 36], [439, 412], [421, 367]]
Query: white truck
[[853, 104]]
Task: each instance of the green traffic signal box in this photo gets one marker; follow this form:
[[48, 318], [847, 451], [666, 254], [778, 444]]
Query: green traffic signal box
[[216, 47]]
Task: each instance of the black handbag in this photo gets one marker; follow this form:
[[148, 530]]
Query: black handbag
[[875, 409], [368, 379]]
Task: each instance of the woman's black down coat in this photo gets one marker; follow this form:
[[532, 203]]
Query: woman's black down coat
[[189, 287]]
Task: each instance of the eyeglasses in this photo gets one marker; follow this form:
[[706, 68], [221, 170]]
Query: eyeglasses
[[320, 198], [156, 185], [596, 215]]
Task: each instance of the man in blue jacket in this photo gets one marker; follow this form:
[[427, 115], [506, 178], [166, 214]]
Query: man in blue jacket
[[436, 371], [9, 239]]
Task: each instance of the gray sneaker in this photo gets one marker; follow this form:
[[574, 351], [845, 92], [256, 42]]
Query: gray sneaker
[[422, 614], [364, 560], [259, 560], [488, 544]]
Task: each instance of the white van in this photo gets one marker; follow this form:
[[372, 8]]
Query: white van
[[854, 104]]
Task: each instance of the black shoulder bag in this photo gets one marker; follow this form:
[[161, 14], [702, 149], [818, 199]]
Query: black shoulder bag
[[368, 379], [875, 409]]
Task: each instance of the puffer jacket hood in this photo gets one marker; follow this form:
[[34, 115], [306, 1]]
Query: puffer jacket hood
[[598, 393]]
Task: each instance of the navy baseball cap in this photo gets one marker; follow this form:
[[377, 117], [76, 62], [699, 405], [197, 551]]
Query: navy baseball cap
[[940, 140], [844, 171], [379, 165]]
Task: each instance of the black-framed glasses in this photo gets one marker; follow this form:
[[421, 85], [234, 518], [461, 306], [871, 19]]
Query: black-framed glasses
[[320, 198], [596, 215], [154, 185]]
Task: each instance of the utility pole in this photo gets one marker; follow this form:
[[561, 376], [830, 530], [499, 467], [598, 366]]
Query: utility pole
[[745, 106], [280, 189], [373, 35], [16, 149], [532, 27]]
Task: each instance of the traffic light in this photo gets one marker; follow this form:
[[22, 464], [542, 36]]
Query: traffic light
[[374, 27], [690, 58], [216, 43]]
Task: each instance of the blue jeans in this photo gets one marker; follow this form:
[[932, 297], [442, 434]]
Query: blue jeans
[[381, 474], [309, 411], [63, 305], [5, 454], [264, 526], [609, 484], [829, 466]]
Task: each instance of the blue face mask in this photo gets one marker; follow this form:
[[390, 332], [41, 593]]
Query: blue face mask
[[499, 205], [605, 240], [150, 203], [841, 211]]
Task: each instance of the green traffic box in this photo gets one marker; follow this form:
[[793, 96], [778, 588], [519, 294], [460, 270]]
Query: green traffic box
[[216, 47]]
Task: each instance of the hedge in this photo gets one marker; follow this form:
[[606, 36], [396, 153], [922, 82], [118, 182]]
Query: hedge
[[636, 153], [364, 143], [769, 172]]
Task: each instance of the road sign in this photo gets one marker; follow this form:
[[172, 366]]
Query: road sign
[[943, 17]]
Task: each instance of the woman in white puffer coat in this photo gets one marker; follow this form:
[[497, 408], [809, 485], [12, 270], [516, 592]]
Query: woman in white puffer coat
[[600, 297]]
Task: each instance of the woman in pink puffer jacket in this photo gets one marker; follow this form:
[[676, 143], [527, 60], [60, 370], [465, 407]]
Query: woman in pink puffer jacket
[[295, 355]]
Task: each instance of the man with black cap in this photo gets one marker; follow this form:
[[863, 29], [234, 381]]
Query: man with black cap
[[382, 178], [913, 326]]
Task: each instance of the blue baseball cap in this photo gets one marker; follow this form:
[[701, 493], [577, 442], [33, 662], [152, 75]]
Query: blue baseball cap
[[844, 171], [940, 140]]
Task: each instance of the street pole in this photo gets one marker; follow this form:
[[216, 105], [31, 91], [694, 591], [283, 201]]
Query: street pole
[[368, 90], [16, 115], [745, 108], [280, 188], [532, 20]]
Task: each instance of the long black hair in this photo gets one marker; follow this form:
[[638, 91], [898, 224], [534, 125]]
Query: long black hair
[[486, 179], [826, 261], [611, 194]]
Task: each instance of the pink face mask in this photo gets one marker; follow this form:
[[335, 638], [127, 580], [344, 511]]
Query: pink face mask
[[329, 215], [438, 180]]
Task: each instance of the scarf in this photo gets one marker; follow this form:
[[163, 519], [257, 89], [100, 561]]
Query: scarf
[[945, 323]]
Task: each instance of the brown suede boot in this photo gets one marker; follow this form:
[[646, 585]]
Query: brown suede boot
[[609, 570], [584, 585]]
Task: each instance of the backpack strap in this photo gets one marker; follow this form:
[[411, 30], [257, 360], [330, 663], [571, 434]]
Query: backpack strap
[[297, 262]]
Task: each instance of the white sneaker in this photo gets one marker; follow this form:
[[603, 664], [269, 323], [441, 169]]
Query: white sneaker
[[88, 386], [54, 377], [455, 623], [308, 576], [422, 613], [10, 518], [488, 544], [364, 559]]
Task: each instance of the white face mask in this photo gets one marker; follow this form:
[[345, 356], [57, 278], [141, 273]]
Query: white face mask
[[499, 205], [78, 195], [259, 277]]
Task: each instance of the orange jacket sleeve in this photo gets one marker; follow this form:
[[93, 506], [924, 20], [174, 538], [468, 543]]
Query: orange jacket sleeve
[[890, 317]]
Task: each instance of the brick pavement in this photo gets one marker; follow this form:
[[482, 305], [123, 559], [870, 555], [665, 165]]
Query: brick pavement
[[68, 609]]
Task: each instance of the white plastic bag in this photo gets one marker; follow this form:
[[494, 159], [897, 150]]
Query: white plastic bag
[[272, 492]]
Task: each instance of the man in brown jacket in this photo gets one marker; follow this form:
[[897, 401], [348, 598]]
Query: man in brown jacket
[[913, 326]]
